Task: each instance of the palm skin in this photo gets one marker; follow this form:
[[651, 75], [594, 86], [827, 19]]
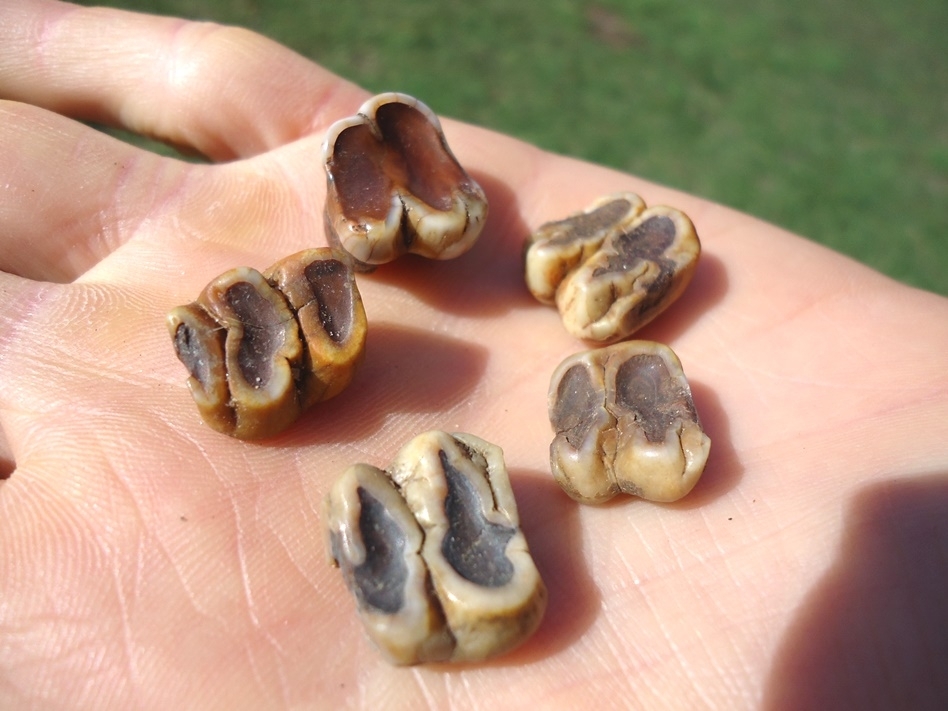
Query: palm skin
[[148, 562]]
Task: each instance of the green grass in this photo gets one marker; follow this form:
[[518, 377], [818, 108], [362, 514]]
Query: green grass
[[829, 118]]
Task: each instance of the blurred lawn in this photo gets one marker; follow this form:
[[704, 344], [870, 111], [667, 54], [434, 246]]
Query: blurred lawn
[[829, 118]]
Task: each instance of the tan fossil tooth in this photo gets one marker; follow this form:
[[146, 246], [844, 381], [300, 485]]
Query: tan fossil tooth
[[625, 422], [634, 276], [376, 542], [612, 268], [557, 248]]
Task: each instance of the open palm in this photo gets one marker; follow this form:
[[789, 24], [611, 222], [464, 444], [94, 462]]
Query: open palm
[[149, 562]]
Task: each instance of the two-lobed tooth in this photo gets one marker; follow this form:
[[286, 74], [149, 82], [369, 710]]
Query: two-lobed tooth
[[394, 186], [625, 422], [613, 267], [432, 550]]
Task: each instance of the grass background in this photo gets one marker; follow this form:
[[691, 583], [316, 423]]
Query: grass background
[[828, 118]]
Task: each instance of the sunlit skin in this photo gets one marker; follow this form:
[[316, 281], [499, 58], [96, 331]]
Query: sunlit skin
[[147, 561]]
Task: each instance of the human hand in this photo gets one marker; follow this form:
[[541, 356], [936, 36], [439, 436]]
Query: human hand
[[147, 561]]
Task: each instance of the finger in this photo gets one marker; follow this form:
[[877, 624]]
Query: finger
[[69, 195], [222, 91]]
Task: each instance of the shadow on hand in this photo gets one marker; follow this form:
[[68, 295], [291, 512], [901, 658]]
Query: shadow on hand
[[550, 521], [873, 634], [708, 287], [406, 370], [487, 280]]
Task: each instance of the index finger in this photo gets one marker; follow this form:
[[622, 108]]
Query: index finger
[[222, 91]]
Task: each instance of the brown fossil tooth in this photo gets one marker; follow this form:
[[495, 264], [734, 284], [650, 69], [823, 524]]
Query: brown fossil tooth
[[261, 349], [395, 187]]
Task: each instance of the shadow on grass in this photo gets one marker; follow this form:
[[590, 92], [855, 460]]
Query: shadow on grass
[[873, 634]]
